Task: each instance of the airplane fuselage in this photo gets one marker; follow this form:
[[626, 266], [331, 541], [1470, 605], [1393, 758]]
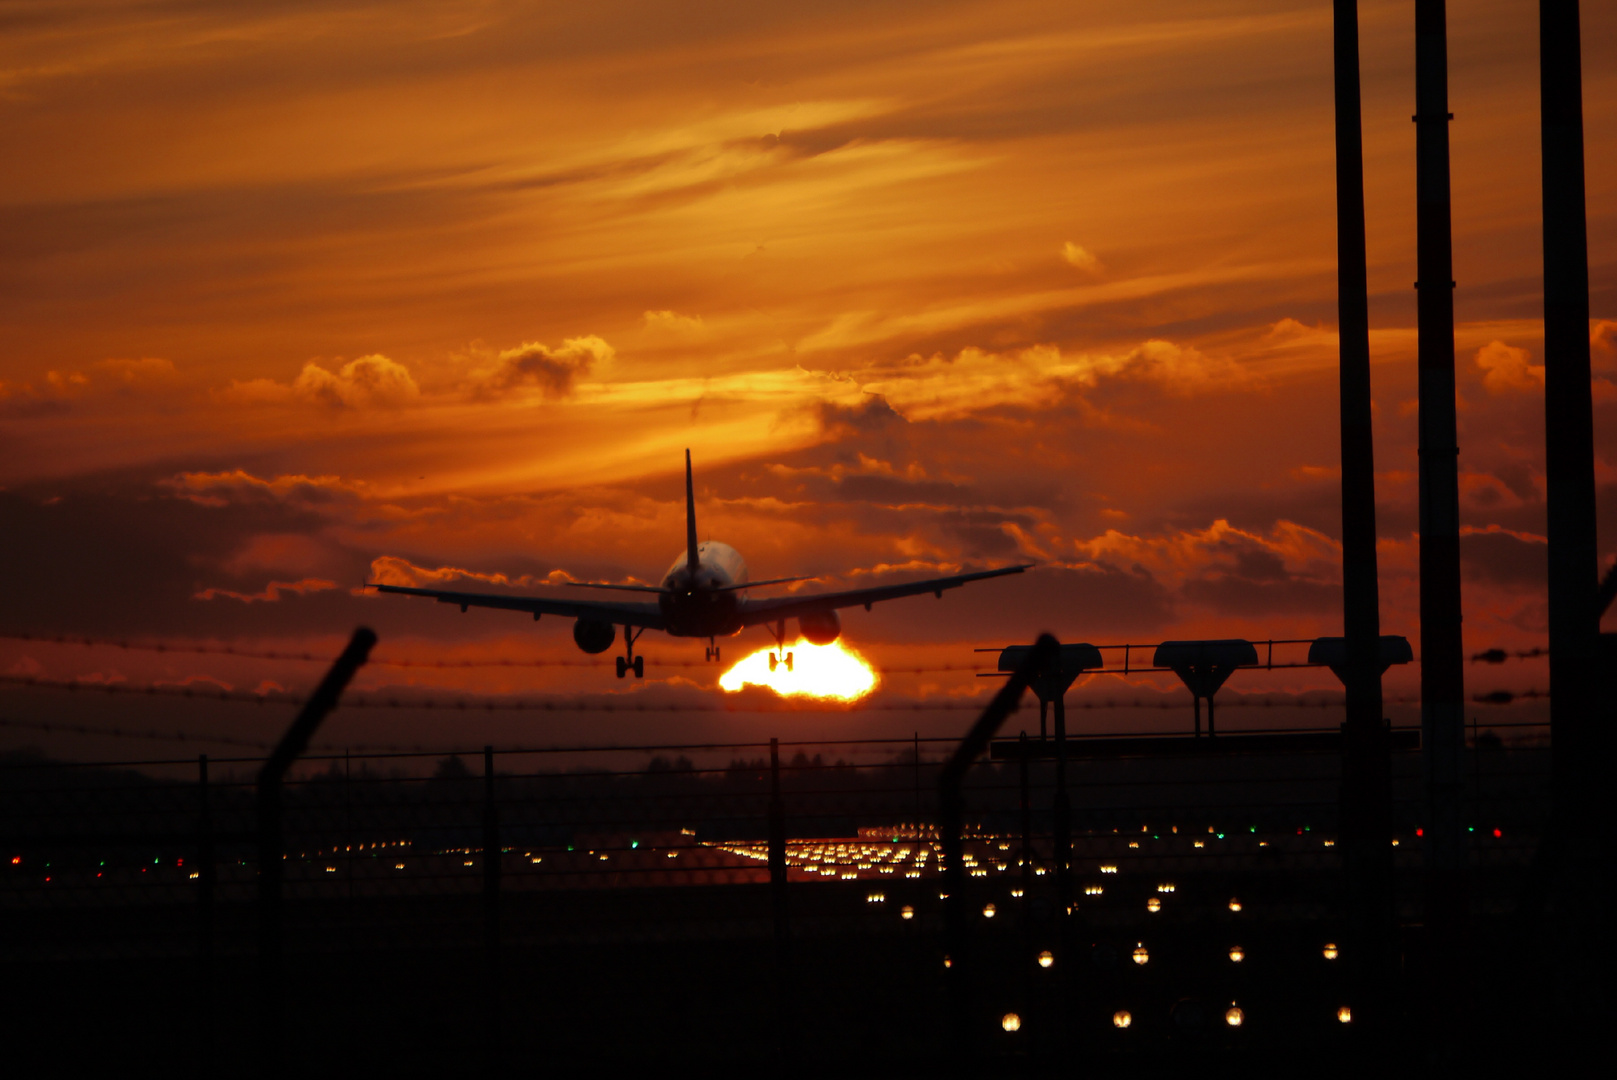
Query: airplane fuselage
[[705, 602]]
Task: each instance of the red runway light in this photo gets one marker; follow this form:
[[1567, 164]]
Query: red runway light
[[1420, 832], [1497, 833]]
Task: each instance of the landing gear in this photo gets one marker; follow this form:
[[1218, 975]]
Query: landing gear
[[631, 662], [712, 651], [779, 630]]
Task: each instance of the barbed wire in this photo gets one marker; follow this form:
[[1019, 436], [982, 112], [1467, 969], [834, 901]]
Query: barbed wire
[[1499, 656], [749, 703], [194, 648], [154, 734]]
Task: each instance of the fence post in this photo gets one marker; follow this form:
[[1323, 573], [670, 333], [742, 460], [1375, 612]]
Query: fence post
[[271, 846], [777, 896], [1044, 654], [205, 892], [1062, 821], [492, 859]]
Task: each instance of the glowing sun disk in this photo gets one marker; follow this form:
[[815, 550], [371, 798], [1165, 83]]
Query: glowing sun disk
[[822, 671]]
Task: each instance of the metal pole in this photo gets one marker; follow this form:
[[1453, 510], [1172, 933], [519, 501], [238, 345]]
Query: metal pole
[[206, 877], [917, 787], [777, 850], [1442, 652], [493, 857], [778, 897], [1061, 820], [1574, 580], [1027, 837], [271, 845], [1366, 759], [1045, 654]]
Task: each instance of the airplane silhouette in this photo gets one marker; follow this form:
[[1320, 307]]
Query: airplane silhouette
[[703, 594]]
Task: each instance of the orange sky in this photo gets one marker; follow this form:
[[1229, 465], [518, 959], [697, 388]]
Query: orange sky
[[290, 290]]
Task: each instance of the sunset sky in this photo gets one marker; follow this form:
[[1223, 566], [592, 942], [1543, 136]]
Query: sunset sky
[[297, 295]]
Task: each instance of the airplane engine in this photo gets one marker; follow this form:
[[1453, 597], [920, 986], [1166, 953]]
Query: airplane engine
[[594, 637], [821, 628]]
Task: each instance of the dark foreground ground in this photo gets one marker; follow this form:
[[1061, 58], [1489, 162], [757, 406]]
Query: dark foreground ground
[[687, 978]]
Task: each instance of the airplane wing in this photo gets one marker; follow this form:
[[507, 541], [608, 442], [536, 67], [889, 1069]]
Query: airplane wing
[[645, 615], [790, 607]]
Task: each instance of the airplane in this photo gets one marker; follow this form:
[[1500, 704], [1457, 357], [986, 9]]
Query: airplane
[[703, 594]]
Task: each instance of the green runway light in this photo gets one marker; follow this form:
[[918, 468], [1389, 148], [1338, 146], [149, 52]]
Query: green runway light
[[633, 844], [1221, 836]]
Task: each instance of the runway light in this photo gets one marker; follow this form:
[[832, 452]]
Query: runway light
[[819, 671], [1234, 1017], [1235, 904], [988, 911], [1016, 894], [1237, 954], [1141, 955], [906, 913], [876, 898], [1011, 1022], [1329, 952], [1046, 958], [1122, 1018], [1344, 1015], [1108, 868], [1153, 904], [947, 962], [1094, 890]]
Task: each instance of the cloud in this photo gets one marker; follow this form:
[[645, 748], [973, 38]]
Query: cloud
[[271, 592], [869, 417], [393, 570], [670, 320], [371, 381], [149, 369], [1505, 557], [239, 486], [1505, 368], [553, 371], [1076, 256]]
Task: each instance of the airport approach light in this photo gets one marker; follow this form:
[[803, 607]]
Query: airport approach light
[[1141, 954], [819, 671], [1234, 1017], [906, 913], [988, 911], [1046, 958], [1153, 904], [1237, 954], [1011, 1022], [1344, 1015], [1235, 904], [1329, 952], [1122, 1018]]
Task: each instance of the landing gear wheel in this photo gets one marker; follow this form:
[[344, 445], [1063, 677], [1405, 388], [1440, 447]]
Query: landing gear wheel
[[640, 667], [772, 661], [707, 654], [788, 661], [715, 654], [623, 666]]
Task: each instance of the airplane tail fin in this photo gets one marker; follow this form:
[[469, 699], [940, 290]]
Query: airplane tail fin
[[691, 558]]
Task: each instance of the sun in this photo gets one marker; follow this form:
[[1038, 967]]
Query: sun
[[819, 671]]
